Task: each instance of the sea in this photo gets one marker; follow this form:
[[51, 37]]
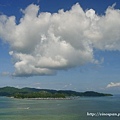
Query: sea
[[81, 108]]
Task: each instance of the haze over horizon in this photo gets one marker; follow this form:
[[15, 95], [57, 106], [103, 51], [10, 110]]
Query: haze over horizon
[[71, 45]]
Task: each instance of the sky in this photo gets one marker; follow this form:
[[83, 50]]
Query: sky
[[60, 44]]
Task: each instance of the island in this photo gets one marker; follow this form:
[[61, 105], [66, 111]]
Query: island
[[46, 93]]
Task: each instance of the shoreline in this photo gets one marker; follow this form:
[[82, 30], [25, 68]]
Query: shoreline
[[69, 98], [48, 98]]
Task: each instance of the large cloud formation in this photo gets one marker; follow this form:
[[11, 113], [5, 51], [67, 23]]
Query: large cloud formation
[[42, 43]]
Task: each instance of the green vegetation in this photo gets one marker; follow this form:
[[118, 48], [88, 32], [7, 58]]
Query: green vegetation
[[42, 94], [45, 93]]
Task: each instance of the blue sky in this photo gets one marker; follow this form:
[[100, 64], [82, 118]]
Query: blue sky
[[76, 49]]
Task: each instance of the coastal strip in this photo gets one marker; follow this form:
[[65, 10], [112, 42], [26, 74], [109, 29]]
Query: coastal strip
[[48, 98]]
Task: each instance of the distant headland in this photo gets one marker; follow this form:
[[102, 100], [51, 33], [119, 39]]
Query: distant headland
[[46, 93]]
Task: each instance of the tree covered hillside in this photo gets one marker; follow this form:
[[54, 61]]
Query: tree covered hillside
[[45, 93]]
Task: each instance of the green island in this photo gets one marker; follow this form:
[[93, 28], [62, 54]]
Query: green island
[[46, 93]]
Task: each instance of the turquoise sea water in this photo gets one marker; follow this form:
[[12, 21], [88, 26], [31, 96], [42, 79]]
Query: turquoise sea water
[[75, 109]]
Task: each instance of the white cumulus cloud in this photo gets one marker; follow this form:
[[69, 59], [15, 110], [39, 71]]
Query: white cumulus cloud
[[42, 43], [113, 85]]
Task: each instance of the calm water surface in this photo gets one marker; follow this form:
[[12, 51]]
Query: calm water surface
[[75, 109]]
